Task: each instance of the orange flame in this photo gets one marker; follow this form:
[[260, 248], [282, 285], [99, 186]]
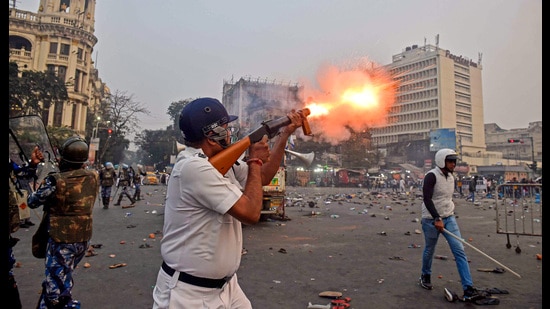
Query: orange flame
[[356, 98]]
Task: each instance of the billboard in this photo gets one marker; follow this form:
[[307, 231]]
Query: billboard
[[442, 138]]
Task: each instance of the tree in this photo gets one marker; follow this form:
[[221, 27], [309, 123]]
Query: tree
[[58, 135], [175, 108], [33, 92], [156, 146], [123, 112]]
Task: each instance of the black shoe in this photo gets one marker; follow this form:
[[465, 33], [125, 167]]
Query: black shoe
[[29, 223], [425, 282], [117, 204], [105, 207], [24, 225], [471, 294]]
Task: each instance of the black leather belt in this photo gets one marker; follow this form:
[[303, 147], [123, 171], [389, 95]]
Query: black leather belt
[[198, 281]]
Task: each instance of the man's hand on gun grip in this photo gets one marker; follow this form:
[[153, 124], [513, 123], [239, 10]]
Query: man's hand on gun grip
[[297, 121]]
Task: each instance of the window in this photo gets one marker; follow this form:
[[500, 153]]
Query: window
[[61, 72], [53, 48], [65, 49]]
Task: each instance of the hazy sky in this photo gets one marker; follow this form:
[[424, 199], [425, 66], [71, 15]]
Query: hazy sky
[[165, 51]]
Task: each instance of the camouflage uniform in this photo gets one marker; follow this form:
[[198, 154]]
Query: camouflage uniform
[[68, 199], [124, 179], [107, 177]]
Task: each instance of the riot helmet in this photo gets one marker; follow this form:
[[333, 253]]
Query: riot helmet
[[74, 150], [204, 117]]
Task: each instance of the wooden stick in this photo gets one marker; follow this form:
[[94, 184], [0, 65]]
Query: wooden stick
[[487, 256]]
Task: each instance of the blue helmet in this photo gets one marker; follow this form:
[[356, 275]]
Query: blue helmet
[[201, 116]]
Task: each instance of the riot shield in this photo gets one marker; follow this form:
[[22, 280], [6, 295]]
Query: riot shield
[[25, 133]]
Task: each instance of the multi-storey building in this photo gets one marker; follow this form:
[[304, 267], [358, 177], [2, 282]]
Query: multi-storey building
[[438, 90], [59, 38], [515, 144], [256, 100]]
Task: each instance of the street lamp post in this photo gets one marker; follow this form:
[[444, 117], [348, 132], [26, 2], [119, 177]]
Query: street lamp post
[[98, 119], [94, 145]]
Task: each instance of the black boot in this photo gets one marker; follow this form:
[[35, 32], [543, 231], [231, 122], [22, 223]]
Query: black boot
[[118, 202]]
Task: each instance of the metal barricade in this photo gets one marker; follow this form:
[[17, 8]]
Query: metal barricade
[[519, 210]]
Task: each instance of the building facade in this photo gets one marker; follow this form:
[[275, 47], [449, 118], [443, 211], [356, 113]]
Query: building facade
[[60, 38], [257, 100], [519, 144], [440, 90], [437, 90]]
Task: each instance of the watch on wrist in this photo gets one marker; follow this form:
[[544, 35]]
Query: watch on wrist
[[438, 219]]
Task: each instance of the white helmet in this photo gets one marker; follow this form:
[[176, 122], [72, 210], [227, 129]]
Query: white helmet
[[443, 154]]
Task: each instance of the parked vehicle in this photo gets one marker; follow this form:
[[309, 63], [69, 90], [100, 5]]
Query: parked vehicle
[[150, 179]]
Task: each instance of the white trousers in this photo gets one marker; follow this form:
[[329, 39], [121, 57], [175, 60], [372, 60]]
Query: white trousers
[[170, 293]]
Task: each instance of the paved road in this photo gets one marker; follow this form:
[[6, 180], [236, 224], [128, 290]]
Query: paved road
[[358, 244]]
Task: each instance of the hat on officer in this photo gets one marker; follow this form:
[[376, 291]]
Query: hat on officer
[[201, 116]]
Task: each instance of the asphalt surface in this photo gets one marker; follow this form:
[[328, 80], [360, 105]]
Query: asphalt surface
[[361, 244]]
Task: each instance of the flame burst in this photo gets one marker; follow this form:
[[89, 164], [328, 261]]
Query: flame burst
[[356, 98]]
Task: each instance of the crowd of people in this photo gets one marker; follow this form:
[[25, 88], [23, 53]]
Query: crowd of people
[[67, 198], [204, 212], [124, 180]]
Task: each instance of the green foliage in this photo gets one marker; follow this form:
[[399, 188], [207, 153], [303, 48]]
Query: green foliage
[[156, 146], [31, 91], [58, 135], [175, 108]]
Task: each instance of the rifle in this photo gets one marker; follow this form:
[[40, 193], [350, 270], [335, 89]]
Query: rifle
[[223, 160]]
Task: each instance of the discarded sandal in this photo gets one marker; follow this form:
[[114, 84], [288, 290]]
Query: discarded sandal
[[397, 258], [331, 294], [496, 291], [117, 265], [497, 270], [487, 301], [340, 303], [90, 253]]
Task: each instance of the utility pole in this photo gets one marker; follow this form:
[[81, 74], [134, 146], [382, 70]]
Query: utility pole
[[534, 165]]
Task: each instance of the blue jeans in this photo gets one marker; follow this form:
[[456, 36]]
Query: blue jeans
[[431, 236], [472, 196]]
